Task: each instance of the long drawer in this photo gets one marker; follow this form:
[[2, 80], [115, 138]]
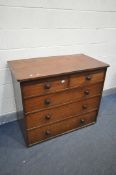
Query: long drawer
[[49, 116], [43, 133], [46, 101]]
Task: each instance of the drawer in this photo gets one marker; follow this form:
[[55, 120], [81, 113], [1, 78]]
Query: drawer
[[61, 112], [43, 133], [36, 88], [86, 78], [59, 98]]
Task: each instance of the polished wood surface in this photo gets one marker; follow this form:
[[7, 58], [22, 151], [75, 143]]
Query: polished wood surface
[[43, 133], [57, 95], [48, 116], [37, 68], [87, 78], [59, 98], [36, 88]]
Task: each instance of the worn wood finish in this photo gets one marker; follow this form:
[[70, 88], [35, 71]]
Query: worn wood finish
[[59, 94], [38, 68], [46, 132], [87, 78], [46, 101], [36, 88], [46, 86], [48, 116]]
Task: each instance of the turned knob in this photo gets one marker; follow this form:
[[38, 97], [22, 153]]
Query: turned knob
[[47, 101], [84, 106], [86, 92], [47, 133], [47, 86], [47, 117], [88, 78], [82, 121]]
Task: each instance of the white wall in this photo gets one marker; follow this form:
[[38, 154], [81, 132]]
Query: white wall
[[31, 28]]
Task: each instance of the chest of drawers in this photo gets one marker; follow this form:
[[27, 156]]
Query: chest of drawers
[[56, 95]]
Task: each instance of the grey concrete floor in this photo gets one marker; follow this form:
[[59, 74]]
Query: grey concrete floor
[[89, 151]]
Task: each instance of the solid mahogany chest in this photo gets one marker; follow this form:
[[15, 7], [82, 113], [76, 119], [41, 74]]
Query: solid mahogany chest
[[56, 95]]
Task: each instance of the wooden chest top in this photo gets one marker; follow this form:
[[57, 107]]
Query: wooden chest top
[[37, 68]]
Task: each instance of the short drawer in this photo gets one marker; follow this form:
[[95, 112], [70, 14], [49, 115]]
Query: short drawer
[[44, 102], [36, 88], [86, 78], [61, 112], [43, 133]]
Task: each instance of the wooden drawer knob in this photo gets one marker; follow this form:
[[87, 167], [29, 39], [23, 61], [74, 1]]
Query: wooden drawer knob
[[84, 106], [47, 101], [47, 133], [47, 86], [47, 117], [82, 121], [88, 77], [86, 92]]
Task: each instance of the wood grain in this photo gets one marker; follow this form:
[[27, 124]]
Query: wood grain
[[49, 116], [43, 133], [86, 78], [37, 68], [57, 94], [36, 88], [59, 98]]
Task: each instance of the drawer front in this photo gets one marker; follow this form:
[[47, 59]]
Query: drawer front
[[36, 88], [61, 112], [44, 102], [86, 78], [43, 133]]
